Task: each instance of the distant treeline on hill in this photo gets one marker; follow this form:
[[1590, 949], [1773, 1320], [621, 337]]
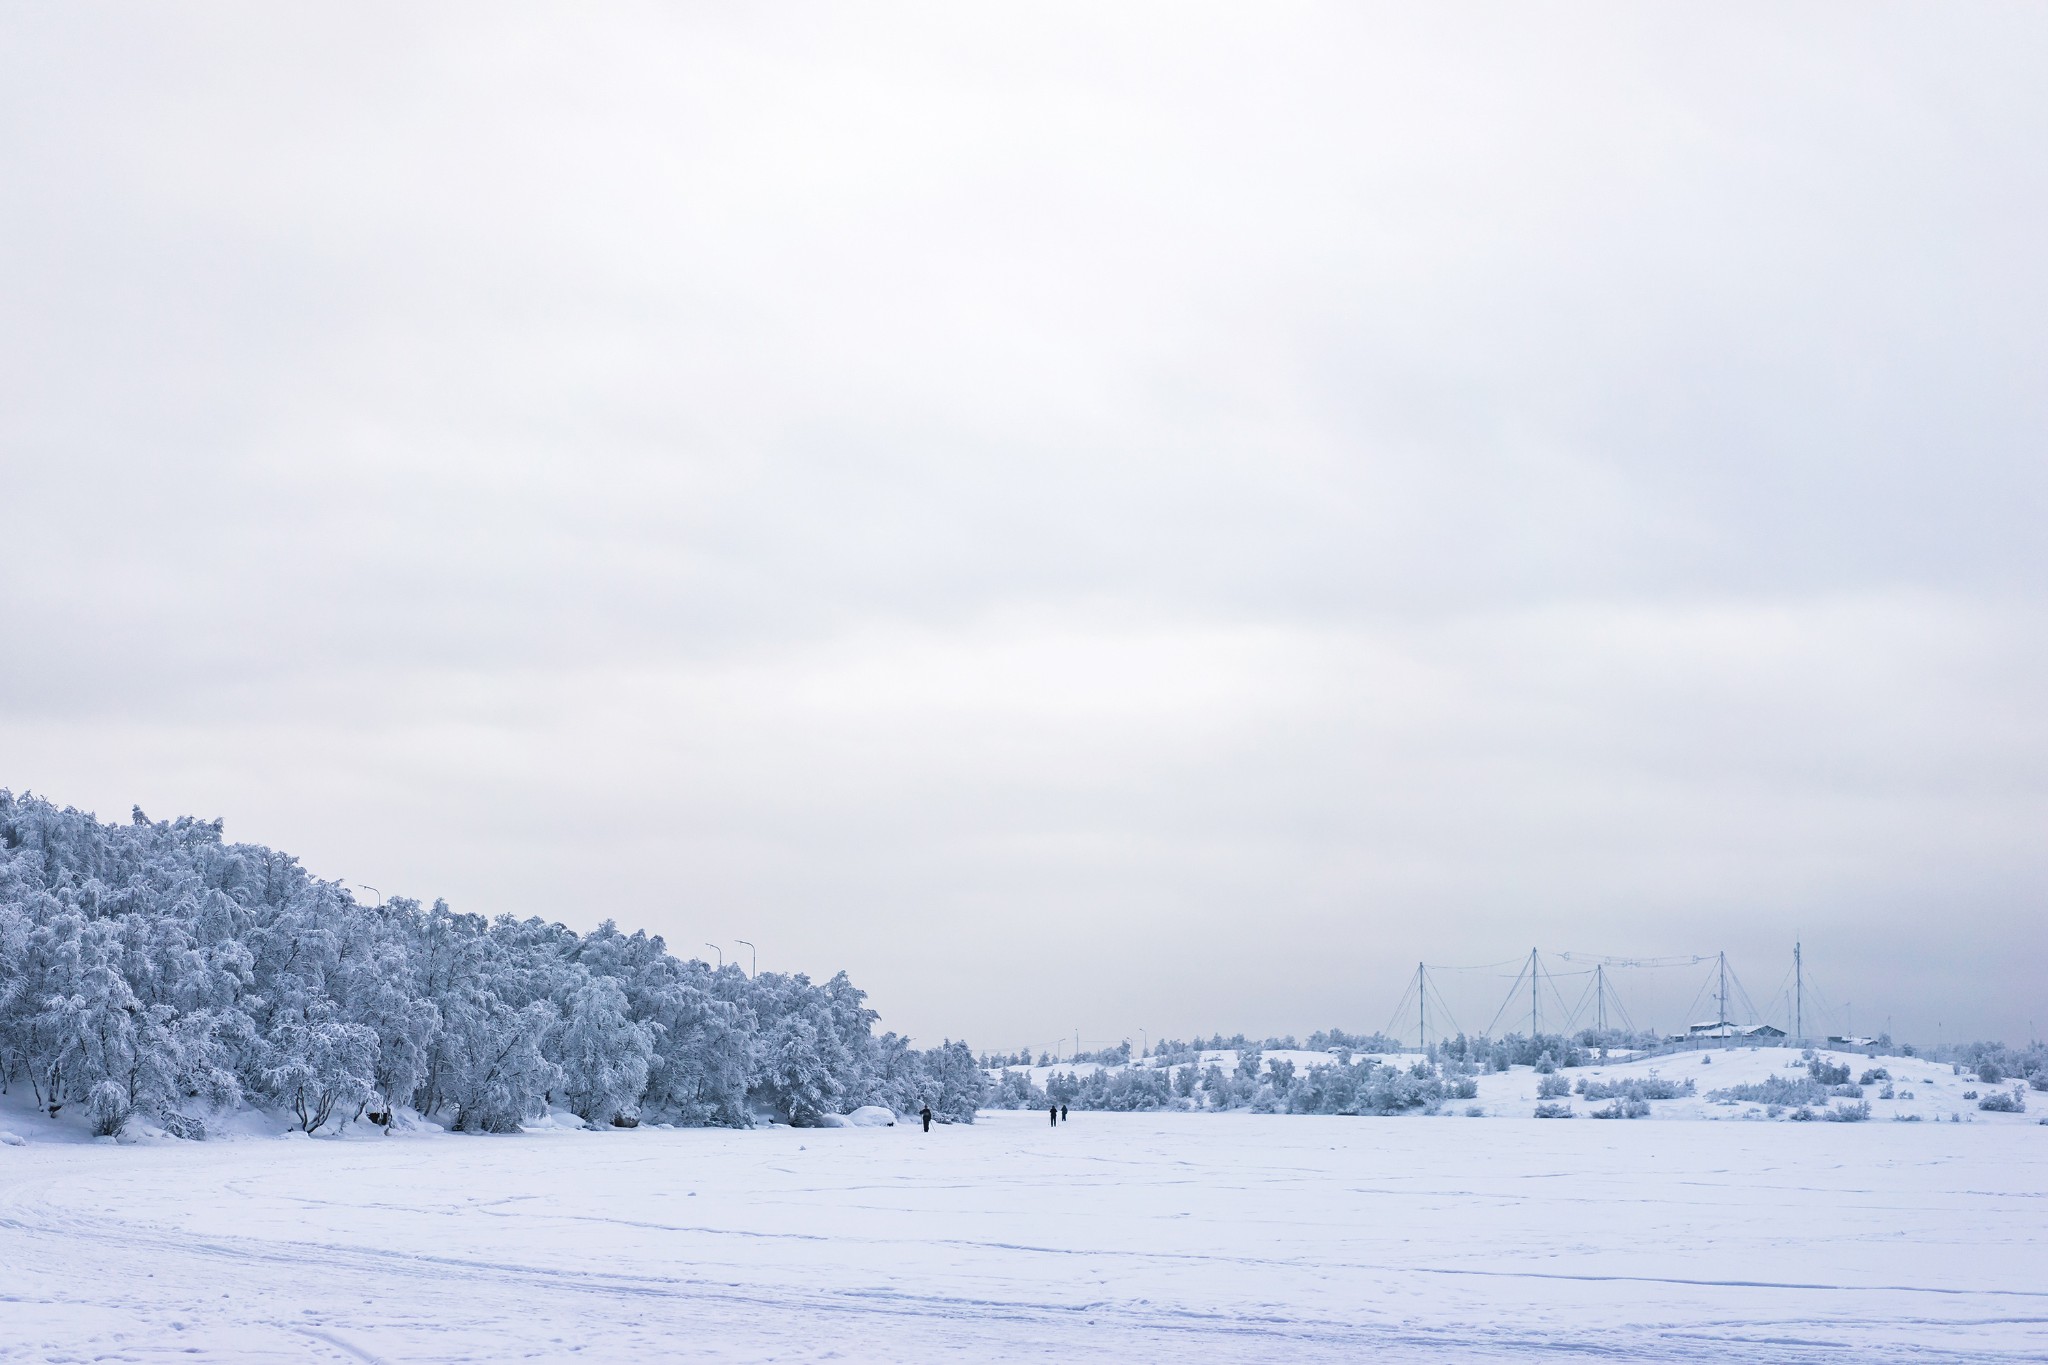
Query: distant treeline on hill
[[1353, 1080], [153, 970], [1169, 1050]]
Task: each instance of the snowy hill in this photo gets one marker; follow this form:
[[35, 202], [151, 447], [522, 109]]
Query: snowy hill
[[1767, 1083], [1921, 1089]]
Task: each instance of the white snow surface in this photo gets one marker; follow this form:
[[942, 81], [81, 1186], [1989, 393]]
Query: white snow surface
[[1115, 1236]]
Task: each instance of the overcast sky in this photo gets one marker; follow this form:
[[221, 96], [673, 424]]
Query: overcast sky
[[1099, 517]]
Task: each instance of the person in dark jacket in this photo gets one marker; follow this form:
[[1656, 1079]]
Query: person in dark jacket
[[1055, 1113], [926, 1112], [1063, 1113]]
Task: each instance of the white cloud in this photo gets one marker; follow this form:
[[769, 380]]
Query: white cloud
[[1157, 516]]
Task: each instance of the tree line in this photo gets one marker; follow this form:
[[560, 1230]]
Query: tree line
[[1178, 1075], [155, 970]]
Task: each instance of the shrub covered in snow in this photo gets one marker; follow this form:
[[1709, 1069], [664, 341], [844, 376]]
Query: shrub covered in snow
[[1772, 1090], [1553, 1111], [1848, 1113], [2005, 1102], [1553, 1087], [1996, 1063], [1825, 1072], [1651, 1087], [1624, 1109], [1371, 1087], [1498, 1054]]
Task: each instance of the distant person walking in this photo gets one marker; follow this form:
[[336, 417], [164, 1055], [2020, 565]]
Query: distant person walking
[[927, 1113], [1055, 1113], [1063, 1113]]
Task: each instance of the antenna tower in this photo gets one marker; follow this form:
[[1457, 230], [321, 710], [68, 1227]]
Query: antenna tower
[[1798, 996], [1422, 1006]]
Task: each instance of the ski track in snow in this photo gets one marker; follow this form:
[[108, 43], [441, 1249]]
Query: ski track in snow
[[1118, 1236]]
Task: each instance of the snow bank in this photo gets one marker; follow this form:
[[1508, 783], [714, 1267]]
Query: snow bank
[[871, 1116]]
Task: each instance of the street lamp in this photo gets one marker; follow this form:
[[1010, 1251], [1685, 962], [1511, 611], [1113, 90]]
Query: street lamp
[[367, 887], [752, 956], [721, 954]]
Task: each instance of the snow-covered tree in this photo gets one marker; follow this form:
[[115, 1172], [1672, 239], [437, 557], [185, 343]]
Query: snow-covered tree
[[152, 968], [495, 1072], [603, 1054], [320, 1064]]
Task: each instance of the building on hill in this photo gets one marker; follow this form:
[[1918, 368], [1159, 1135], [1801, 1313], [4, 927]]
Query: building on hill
[[1721, 1028]]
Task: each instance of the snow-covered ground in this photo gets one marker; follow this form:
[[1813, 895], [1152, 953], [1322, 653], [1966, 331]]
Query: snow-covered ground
[[1117, 1236]]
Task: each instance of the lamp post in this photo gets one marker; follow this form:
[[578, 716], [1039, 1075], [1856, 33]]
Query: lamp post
[[367, 887], [753, 956], [721, 954]]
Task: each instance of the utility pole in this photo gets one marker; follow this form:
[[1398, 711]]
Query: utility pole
[[1798, 996], [1724, 989], [1600, 998], [1535, 1026]]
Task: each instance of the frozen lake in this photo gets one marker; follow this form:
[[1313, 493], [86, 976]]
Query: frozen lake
[[1225, 1237]]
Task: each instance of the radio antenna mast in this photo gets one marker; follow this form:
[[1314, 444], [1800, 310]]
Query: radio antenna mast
[[1422, 1006], [1798, 996]]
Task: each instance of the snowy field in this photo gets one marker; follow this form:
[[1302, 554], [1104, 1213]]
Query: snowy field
[[1119, 1236]]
